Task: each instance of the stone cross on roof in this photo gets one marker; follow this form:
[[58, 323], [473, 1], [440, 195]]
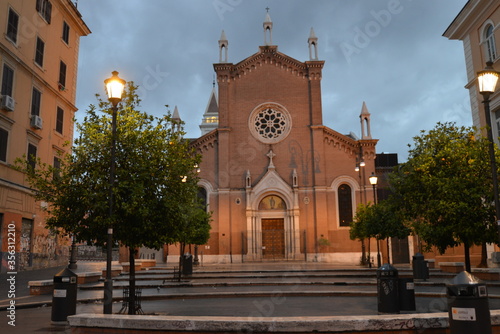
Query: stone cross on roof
[[271, 155]]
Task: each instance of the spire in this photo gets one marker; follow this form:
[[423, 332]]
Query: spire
[[365, 122], [211, 116], [223, 44], [313, 42], [268, 25], [176, 120], [175, 115]]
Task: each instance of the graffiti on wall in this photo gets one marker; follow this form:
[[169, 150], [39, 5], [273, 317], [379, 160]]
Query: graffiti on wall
[[25, 256]]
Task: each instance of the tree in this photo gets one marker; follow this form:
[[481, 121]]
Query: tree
[[379, 221], [193, 228], [445, 188], [359, 229], [150, 197]]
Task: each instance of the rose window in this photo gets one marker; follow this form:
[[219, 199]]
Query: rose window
[[270, 123]]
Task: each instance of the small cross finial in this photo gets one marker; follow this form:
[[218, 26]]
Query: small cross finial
[[271, 155], [267, 9]]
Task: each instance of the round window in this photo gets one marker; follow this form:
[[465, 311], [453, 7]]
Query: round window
[[270, 123]]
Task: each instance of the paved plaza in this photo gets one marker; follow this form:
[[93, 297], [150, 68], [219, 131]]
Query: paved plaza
[[256, 290]]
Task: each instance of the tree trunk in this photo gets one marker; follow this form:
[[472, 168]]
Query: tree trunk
[[181, 249], [369, 253], [363, 252], [131, 289], [484, 257], [467, 257]]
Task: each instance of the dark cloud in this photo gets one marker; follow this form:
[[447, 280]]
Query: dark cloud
[[389, 53]]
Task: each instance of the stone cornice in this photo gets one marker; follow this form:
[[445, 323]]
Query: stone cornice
[[206, 141]]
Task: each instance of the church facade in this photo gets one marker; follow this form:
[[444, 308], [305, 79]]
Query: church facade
[[280, 184]]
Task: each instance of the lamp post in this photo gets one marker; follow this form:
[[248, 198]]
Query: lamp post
[[361, 163], [72, 259], [487, 80], [114, 90], [373, 181]]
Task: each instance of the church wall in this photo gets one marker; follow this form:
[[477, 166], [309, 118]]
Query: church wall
[[265, 84], [239, 170]]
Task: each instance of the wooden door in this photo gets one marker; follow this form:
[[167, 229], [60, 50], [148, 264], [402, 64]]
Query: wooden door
[[273, 238]]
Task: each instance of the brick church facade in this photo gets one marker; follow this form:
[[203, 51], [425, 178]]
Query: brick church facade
[[280, 184]]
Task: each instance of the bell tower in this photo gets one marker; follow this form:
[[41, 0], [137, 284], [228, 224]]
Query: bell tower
[[268, 27]]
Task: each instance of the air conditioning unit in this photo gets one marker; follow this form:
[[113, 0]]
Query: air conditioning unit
[[36, 122], [7, 103]]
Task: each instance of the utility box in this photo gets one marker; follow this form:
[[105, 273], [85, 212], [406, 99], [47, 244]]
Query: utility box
[[64, 296], [187, 264], [420, 267], [387, 289], [468, 308], [406, 294]]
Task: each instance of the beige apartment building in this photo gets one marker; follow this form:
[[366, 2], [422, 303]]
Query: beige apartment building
[[39, 44], [478, 27]]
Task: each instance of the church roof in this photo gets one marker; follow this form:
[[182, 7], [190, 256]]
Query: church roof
[[269, 54]]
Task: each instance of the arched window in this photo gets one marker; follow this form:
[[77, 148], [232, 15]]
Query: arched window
[[202, 195], [345, 204], [489, 38]]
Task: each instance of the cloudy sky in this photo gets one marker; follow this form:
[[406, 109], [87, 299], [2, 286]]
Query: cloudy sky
[[389, 53]]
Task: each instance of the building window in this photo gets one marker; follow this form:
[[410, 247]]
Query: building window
[[31, 156], [59, 120], [12, 25], [62, 74], [65, 33], [203, 198], [57, 168], [4, 136], [7, 80], [36, 99], [345, 205], [270, 123], [44, 8], [40, 47], [489, 37]]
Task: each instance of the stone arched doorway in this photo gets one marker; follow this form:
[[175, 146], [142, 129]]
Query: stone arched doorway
[[272, 212]]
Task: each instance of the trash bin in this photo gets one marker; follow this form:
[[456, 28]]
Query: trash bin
[[468, 309], [406, 294], [187, 264], [420, 267], [64, 296], [387, 289]]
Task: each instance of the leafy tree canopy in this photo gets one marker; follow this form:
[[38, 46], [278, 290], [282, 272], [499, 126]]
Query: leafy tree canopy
[[150, 197], [378, 221], [445, 188]]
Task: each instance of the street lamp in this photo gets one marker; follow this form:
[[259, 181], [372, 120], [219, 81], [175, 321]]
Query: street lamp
[[114, 90], [373, 181], [487, 80]]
